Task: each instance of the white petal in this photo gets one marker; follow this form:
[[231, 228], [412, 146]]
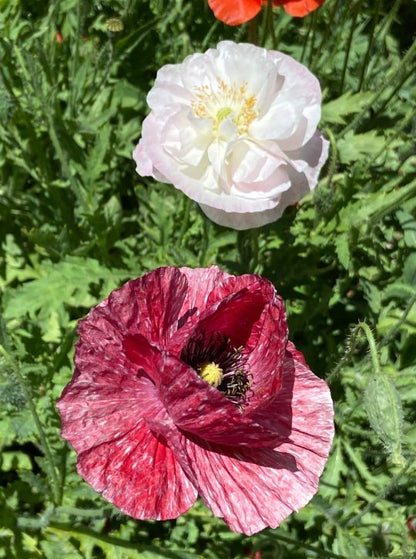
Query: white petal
[[235, 130]]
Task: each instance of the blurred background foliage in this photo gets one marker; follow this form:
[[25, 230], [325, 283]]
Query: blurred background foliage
[[76, 221]]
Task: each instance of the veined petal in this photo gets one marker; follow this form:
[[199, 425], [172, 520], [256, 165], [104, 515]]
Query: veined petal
[[187, 140], [256, 488], [191, 403], [151, 426], [150, 305], [266, 349], [235, 316], [258, 172], [93, 406], [199, 409], [139, 474]]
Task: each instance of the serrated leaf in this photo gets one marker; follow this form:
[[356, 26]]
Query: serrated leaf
[[353, 146], [408, 224], [58, 547], [95, 159], [329, 485], [334, 111], [399, 290], [372, 294], [67, 282], [343, 250]]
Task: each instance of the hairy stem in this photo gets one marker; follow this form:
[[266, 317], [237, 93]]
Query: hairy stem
[[27, 391]]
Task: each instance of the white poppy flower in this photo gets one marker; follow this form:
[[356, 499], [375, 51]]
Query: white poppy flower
[[235, 129]]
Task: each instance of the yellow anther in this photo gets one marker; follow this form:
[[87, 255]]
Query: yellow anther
[[223, 101]]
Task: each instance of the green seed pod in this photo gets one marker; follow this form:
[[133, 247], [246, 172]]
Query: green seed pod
[[384, 411]]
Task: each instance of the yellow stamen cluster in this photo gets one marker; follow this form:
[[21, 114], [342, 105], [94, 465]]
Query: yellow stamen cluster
[[218, 104], [211, 373]]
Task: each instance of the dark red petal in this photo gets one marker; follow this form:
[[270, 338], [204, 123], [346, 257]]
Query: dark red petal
[[139, 474], [149, 305], [234, 12], [202, 283], [208, 291], [255, 488], [266, 350], [264, 339], [193, 405], [234, 316], [198, 408], [144, 356], [232, 284], [104, 402]]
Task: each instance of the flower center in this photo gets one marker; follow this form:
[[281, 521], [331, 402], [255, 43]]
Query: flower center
[[225, 101], [220, 364], [211, 373]]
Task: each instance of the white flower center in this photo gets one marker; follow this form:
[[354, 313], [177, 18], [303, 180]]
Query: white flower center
[[225, 101]]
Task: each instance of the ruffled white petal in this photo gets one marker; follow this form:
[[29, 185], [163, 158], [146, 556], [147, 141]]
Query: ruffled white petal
[[235, 130]]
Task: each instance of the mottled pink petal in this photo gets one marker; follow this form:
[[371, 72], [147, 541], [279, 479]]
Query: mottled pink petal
[[150, 432], [139, 474], [93, 408], [148, 305], [256, 488], [193, 405], [265, 350]]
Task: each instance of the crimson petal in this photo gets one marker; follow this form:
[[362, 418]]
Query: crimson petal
[[149, 305], [193, 405], [139, 474], [256, 488]]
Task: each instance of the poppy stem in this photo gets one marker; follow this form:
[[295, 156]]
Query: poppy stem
[[326, 34], [253, 31], [28, 394], [356, 9], [314, 21], [248, 250], [374, 21], [268, 28], [206, 226], [403, 69], [372, 345], [305, 42], [333, 162]]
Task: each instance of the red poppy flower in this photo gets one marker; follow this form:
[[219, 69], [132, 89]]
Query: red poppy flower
[[185, 384], [235, 12]]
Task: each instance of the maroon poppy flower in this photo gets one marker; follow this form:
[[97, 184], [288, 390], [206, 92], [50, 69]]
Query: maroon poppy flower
[[185, 384]]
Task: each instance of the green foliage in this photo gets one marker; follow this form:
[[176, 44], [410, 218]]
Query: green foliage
[[76, 221]]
